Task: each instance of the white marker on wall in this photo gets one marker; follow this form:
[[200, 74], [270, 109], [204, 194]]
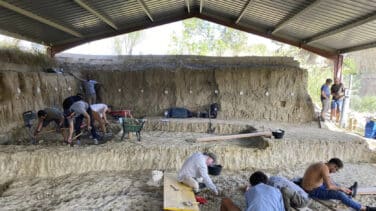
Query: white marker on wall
[[119, 90], [216, 92], [38, 90], [142, 91], [69, 88], [267, 93], [18, 90], [190, 91], [241, 93], [292, 94], [166, 91]]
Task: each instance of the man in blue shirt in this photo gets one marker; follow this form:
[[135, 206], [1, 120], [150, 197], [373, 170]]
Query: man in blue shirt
[[259, 196], [325, 97]]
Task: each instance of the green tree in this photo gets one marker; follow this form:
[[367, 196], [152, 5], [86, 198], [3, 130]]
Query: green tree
[[124, 44], [204, 38]]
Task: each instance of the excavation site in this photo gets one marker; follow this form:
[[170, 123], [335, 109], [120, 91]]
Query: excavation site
[[183, 105]]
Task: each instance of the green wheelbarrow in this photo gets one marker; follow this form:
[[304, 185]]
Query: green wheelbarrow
[[132, 125]]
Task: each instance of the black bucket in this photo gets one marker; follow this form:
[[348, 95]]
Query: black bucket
[[278, 134], [215, 170]]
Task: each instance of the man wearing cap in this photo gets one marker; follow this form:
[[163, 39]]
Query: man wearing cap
[[195, 167]]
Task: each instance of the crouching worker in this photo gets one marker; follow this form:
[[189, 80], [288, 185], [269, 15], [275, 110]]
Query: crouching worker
[[259, 196], [195, 168], [293, 195], [46, 116], [317, 183], [100, 111], [82, 110], [68, 126]]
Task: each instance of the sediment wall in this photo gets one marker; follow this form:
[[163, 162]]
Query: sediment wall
[[58, 161], [258, 88], [255, 88]]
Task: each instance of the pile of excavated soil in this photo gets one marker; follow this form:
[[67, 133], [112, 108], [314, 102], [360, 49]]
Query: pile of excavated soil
[[128, 190]]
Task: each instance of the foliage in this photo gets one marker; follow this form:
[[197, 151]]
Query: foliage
[[200, 37], [18, 56], [363, 104], [124, 44]]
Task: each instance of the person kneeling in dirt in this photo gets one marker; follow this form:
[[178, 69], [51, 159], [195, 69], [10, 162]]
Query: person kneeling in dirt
[[82, 110], [100, 111], [293, 195], [196, 167], [317, 183], [46, 116], [259, 196]]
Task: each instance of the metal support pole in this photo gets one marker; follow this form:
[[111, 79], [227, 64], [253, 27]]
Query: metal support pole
[[346, 105], [338, 61]]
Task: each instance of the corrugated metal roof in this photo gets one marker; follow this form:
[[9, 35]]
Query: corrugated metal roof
[[326, 27]]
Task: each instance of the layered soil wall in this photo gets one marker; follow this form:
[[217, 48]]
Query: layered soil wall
[[255, 88], [170, 153], [258, 88]]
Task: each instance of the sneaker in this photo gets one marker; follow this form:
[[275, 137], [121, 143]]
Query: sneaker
[[354, 189], [96, 141]]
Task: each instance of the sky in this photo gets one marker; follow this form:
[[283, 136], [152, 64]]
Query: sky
[[155, 42]]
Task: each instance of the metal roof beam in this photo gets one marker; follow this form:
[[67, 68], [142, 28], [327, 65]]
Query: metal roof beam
[[296, 16], [96, 13], [201, 5], [39, 18], [19, 36], [188, 7], [337, 30], [66, 44], [243, 11], [264, 33], [146, 10], [358, 47]]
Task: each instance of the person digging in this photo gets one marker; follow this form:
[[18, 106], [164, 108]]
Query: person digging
[[195, 168]]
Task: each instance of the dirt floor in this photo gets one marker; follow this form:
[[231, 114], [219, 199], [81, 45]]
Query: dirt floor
[[104, 182], [124, 190]]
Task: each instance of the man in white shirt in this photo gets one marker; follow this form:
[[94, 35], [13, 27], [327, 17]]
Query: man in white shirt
[[195, 167], [99, 114]]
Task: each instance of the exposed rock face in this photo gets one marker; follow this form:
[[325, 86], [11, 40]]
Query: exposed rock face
[[23, 91], [255, 88], [258, 88]]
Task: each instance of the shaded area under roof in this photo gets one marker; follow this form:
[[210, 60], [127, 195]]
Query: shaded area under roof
[[325, 27]]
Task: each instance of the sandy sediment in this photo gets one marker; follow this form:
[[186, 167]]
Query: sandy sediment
[[128, 190], [163, 150]]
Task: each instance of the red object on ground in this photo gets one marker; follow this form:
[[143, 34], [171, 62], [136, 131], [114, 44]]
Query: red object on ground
[[201, 200], [121, 113]]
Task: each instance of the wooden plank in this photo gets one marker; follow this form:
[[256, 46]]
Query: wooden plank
[[177, 196], [227, 137], [366, 191]]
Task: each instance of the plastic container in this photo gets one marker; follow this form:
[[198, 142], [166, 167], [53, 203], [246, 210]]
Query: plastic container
[[215, 170], [278, 134], [370, 130]]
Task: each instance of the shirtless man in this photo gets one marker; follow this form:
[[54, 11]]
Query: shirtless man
[[317, 183]]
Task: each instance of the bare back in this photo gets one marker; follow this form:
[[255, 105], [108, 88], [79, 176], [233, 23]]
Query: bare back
[[313, 177]]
